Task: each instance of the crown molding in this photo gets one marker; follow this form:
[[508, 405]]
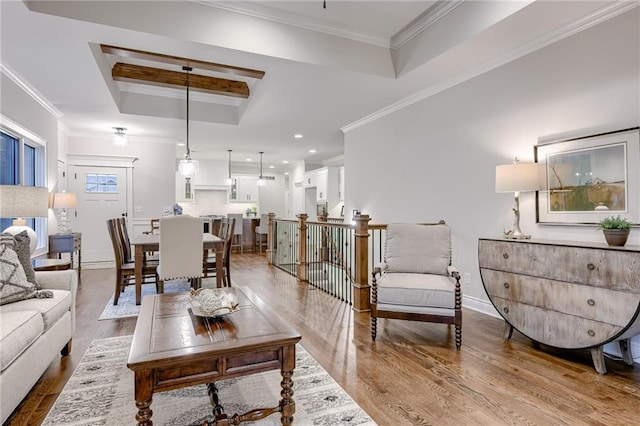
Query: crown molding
[[295, 20], [424, 21], [601, 15], [28, 89]]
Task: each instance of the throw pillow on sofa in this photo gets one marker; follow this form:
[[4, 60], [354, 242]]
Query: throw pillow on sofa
[[22, 247], [13, 281]]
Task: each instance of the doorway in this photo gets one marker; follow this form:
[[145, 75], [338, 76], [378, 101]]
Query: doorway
[[103, 192]]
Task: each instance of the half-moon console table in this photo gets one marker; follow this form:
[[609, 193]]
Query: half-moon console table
[[565, 294]]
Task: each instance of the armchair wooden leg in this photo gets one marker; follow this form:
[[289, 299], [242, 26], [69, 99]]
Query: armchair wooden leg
[[66, 350], [374, 328], [458, 336]]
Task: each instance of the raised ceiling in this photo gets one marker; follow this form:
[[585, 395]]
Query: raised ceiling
[[325, 69]]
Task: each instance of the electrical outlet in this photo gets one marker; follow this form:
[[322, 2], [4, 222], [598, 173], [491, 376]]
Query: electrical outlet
[[137, 209], [467, 278]]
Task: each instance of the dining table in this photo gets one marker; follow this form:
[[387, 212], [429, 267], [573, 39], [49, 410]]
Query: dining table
[[151, 242]]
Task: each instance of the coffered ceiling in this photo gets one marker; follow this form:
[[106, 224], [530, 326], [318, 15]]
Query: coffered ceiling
[[101, 64]]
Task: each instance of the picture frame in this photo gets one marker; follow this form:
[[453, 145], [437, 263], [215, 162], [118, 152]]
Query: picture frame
[[586, 179]]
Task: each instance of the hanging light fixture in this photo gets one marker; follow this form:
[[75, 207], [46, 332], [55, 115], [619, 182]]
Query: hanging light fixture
[[119, 137], [229, 180], [188, 167], [261, 181]]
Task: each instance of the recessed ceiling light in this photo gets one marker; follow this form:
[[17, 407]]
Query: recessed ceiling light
[[180, 144], [285, 162], [313, 151], [298, 136], [286, 173], [272, 167], [248, 159]]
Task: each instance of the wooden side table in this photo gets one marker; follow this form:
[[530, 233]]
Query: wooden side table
[[50, 264], [66, 243]]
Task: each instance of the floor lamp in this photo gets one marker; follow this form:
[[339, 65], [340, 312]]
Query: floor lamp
[[63, 201], [516, 178], [19, 202]]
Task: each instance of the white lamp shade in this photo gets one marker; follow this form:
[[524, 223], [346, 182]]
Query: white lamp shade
[[517, 177], [188, 168], [64, 200], [23, 201]]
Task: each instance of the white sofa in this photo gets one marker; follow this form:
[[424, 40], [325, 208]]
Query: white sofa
[[33, 333]]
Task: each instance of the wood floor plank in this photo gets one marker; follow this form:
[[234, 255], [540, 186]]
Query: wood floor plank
[[411, 375]]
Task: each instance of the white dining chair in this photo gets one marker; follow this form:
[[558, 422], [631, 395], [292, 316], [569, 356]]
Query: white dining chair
[[180, 250]]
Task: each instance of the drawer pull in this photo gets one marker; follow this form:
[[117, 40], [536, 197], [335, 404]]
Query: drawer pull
[[505, 255], [506, 285], [591, 302], [591, 266], [591, 333], [505, 310]]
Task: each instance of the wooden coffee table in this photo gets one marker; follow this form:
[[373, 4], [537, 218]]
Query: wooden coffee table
[[172, 348]]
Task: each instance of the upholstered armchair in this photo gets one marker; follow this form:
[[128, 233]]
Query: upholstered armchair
[[416, 281]]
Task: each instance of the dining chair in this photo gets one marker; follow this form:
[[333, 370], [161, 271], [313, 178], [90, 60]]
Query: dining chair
[[261, 232], [416, 281], [237, 233], [209, 264], [125, 270], [180, 250], [155, 227]]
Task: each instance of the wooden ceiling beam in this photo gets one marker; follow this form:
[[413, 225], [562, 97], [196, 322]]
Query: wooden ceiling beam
[[176, 60], [166, 78]]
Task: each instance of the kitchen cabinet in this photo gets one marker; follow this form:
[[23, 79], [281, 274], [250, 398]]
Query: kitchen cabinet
[[325, 181], [211, 176], [244, 189], [184, 189]]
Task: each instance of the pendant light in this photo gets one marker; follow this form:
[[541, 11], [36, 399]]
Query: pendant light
[[261, 181], [188, 167], [229, 180]]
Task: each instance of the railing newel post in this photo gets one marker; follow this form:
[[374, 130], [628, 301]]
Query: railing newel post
[[361, 287], [302, 264], [271, 237]]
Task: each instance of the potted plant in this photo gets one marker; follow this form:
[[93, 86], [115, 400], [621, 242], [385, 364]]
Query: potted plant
[[616, 230]]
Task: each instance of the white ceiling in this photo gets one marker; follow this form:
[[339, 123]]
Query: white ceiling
[[326, 69]]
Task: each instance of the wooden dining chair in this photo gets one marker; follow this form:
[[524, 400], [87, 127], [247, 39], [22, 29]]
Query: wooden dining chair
[[209, 262], [180, 250], [237, 231], [125, 270]]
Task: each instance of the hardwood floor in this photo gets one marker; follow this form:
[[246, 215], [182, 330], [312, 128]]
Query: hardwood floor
[[411, 375]]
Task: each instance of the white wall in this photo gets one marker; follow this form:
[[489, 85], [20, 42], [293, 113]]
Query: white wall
[[436, 159], [153, 173]]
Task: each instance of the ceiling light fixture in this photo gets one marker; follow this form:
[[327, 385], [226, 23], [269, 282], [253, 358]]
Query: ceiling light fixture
[[188, 167], [229, 180], [298, 136], [261, 180], [119, 137]]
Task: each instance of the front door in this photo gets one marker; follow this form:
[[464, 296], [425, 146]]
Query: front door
[[102, 193]]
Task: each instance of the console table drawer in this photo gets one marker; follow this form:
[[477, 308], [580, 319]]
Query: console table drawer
[[598, 304], [618, 270], [556, 328]]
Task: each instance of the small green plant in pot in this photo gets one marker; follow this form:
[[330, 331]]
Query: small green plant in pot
[[616, 230]]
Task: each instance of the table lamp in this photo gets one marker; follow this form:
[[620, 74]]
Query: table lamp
[[63, 201], [19, 202], [516, 178]]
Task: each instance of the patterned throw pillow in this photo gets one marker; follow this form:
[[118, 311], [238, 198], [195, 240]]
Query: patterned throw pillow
[[13, 281], [23, 248]]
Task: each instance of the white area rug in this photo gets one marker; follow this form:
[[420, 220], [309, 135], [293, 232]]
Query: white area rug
[[127, 307], [100, 392]]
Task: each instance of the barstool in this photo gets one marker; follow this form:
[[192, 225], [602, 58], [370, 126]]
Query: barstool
[[237, 231], [261, 232]]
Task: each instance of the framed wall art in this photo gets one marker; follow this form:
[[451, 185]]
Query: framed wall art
[[588, 178]]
